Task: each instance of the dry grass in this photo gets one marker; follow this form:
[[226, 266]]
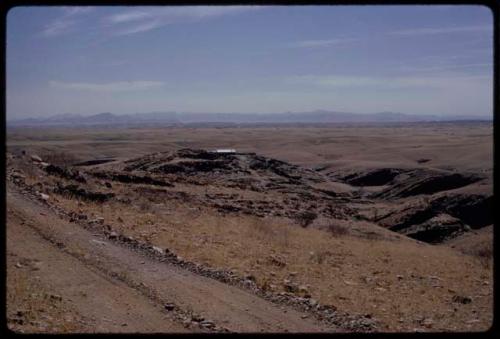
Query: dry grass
[[31, 310], [355, 274], [29, 170], [484, 254]]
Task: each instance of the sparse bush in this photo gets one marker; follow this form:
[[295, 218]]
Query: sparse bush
[[372, 236], [320, 256], [337, 230], [261, 227], [484, 254], [28, 169], [306, 218], [144, 205]]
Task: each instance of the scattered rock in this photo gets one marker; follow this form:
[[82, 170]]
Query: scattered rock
[[207, 324], [427, 322], [197, 318], [44, 197], [55, 297], [290, 286], [36, 158], [65, 173], [18, 175], [250, 277], [157, 249], [304, 291], [169, 306], [462, 299], [277, 260], [75, 190]]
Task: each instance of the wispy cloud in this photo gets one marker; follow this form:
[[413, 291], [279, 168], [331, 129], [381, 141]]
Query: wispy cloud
[[120, 86], [136, 21], [321, 43], [395, 82], [128, 16], [442, 30], [66, 22], [447, 67]]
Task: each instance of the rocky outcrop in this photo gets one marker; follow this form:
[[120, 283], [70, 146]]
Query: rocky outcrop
[[65, 173], [440, 218], [93, 162], [425, 182], [75, 190], [377, 177], [436, 229], [130, 178]]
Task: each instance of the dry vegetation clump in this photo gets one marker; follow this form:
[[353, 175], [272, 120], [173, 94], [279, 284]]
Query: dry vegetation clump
[[306, 218], [29, 170], [320, 256], [59, 158], [337, 230], [270, 250], [261, 229], [484, 254], [144, 205]]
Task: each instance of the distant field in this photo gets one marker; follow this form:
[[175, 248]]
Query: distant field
[[444, 145]]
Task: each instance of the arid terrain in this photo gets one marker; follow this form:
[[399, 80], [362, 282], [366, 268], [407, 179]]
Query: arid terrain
[[341, 228]]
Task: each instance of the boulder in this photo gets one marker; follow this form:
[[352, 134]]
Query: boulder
[[36, 158]]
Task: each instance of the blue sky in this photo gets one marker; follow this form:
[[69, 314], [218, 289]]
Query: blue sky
[[409, 59]]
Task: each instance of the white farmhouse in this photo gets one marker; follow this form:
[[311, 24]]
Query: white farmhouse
[[224, 150]]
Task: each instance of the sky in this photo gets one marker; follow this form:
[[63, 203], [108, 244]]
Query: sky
[[362, 59]]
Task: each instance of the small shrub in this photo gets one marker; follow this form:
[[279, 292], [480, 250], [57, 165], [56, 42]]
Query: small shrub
[[306, 218], [144, 206], [28, 170], [320, 256], [337, 230], [372, 236], [484, 254]]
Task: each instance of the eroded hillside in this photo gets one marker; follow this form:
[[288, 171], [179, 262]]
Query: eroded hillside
[[357, 244]]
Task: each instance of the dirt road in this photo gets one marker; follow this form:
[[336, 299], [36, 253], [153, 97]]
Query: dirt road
[[113, 289]]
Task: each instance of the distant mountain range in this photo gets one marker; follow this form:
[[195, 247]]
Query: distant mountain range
[[176, 118]]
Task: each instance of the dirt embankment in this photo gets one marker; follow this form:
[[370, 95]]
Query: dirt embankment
[[111, 289]]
